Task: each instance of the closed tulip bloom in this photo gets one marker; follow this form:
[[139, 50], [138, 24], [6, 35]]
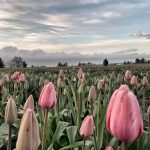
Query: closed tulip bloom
[[123, 119], [87, 126], [60, 83], [46, 81], [144, 81], [61, 73], [81, 76], [148, 110], [101, 84], [29, 103], [47, 97], [10, 112], [133, 80], [128, 75], [1, 82], [16, 76], [6, 78], [80, 73], [108, 148], [28, 136], [22, 78], [92, 93]]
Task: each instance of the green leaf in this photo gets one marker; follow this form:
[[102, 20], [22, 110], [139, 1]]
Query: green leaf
[[88, 143], [61, 126], [50, 147], [71, 132]]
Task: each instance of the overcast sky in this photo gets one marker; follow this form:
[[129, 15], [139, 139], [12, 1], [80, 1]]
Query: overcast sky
[[85, 26]]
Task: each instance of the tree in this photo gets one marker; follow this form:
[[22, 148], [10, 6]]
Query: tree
[[1, 63], [17, 62], [105, 62]]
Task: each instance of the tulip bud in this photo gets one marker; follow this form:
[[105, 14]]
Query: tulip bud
[[60, 83], [133, 80], [80, 89], [6, 78], [61, 73], [29, 103], [74, 79], [106, 79], [108, 148], [92, 93], [65, 91], [148, 110], [47, 97], [80, 73], [10, 112], [46, 81], [144, 81], [4, 90], [28, 136], [16, 76], [123, 119], [128, 75], [87, 126], [22, 78], [1, 82], [101, 84]]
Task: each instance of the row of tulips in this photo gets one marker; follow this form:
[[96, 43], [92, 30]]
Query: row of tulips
[[80, 111]]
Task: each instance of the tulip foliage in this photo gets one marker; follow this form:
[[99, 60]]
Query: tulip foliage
[[89, 108]]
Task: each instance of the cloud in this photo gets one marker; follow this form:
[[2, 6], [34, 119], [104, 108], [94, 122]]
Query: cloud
[[70, 25], [141, 34], [41, 58]]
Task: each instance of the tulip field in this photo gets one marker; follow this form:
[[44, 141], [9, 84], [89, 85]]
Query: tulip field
[[75, 108]]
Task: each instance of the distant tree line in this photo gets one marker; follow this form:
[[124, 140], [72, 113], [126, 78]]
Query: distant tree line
[[18, 62], [15, 62], [60, 64], [137, 61]]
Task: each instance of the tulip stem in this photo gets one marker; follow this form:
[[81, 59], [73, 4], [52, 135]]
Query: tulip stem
[[44, 130], [9, 137], [91, 107], [144, 102], [40, 113], [84, 139], [124, 145], [149, 123]]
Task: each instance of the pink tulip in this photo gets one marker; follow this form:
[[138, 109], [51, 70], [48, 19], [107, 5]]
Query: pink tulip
[[22, 78], [128, 75], [133, 80], [144, 81], [108, 148], [47, 97], [16, 76], [6, 78], [1, 82], [81, 76], [101, 84], [87, 126], [123, 119]]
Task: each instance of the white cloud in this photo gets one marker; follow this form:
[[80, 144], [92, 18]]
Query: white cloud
[[100, 46], [91, 1], [110, 14]]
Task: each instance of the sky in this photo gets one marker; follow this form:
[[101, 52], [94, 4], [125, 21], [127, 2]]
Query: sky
[[82, 26]]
